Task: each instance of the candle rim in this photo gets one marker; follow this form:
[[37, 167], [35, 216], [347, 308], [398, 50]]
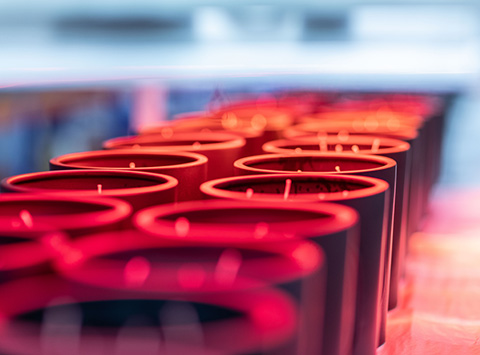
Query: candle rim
[[375, 186], [394, 145], [241, 164], [163, 182], [63, 160], [332, 218]]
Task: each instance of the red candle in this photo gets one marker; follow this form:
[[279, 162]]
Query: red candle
[[234, 223], [190, 169], [33, 214], [271, 121], [90, 320], [388, 147], [221, 149], [204, 122], [368, 196], [333, 163], [137, 188], [295, 267]]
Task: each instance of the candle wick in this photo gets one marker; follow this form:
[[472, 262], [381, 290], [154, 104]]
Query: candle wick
[[375, 145], [26, 218], [355, 148], [323, 145], [298, 150], [299, 171], [131, 165], [99, 189], [345, 193], [249, 193], [182, 227], [288, 185], [321, 196], [338, 148], [196, 145], [227, 266], [337, 168]]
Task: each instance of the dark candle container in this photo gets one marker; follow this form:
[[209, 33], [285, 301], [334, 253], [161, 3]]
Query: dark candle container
[[137, 188], [368, 196], [221, 149], [51, 315], [331, 226], [190, 169], [388, 147], [297, 267]]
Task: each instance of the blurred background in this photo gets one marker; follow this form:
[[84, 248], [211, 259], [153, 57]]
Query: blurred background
[[75, 73]]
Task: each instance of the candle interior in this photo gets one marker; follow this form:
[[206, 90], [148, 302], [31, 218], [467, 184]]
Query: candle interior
[[116, 313], [299, 185], [123, 161], [313, 164], [245, 215], [87, 182]]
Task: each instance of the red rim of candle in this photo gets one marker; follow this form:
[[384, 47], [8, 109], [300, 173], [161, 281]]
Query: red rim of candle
[[386, 145], [333, 128], [220, 187], [329, 218], [72, 160], [30, 251], [243, 164], [268, 315], [214, 141], [159, 182], [112, 211], [284, 262]]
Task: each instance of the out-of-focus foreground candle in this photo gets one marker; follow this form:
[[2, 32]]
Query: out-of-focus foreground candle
[[221, 149], [333, 227], [190, 169], [132, 260], [140, 189], [368, 196], [39, 213], [50, 315]]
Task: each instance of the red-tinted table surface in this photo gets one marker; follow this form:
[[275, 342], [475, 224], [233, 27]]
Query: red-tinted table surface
[[439, 309]]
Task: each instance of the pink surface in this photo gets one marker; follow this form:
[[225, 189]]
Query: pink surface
[[439, 309]]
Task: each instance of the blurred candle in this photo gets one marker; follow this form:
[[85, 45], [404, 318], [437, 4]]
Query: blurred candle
[[234, 223], [76, 216]]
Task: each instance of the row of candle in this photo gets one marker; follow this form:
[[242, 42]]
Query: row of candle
[[333, 271]]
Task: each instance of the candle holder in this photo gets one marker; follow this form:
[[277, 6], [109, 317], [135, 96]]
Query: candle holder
[[33, 214], [272, 121], [368, 196], [204, 122], [388, 147], [190, 169], [332, 163], [137, 188], [221, 149], [298, 267], [236, 223], [55, 316]]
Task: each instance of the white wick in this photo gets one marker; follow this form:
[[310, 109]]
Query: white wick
[[288, 185]]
